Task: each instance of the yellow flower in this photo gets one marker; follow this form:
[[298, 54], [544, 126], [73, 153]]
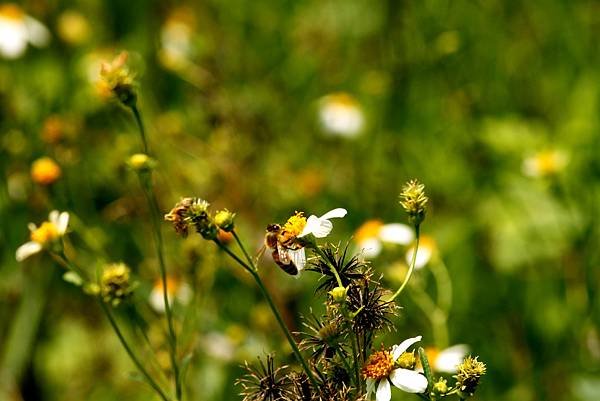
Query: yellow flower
[[45, 171], [545, 163], [117, 81], [73, 27], [43, 236]]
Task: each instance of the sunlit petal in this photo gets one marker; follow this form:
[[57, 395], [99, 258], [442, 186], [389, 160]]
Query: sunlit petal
[[408, 380], [384, 391], [398, 350], [397, 234], [448, 359], [335, 213], [26, 250]]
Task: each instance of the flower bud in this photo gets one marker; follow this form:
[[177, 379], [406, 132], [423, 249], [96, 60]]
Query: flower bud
[[440, 386], [407, 360], [339, 294], [141, 162], [45, 171], [413, 200], [224, 219], [115, 284]]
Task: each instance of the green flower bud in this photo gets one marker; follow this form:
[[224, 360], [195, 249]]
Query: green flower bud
[[224, 219]]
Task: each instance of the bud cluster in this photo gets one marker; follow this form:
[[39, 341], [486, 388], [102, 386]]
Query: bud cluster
[[115, 285], [413, 200], [194, 212]]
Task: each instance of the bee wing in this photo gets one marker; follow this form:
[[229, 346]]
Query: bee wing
[[298, 256], [284, 254]]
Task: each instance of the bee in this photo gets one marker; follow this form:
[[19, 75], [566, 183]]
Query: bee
[[288, 255]]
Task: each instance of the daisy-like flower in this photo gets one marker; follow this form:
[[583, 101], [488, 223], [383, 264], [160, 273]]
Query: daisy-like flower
[[373, 233], [384, 367], [45, 235], [448, 359], [545, 164], [427, 249], [176, 289], [17, 29], [341, 114]]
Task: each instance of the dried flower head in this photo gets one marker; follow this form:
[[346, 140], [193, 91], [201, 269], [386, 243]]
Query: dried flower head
[[469, 373], [325, 338], [115, 285], [265, 383], [350, 270], [192, 212], [413, 200], [117, 81], [371, 311]]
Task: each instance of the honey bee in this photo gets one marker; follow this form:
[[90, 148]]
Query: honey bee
[[285, 251]]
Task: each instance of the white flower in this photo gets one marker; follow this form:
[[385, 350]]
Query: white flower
[[380, 372], [427, 249], [175, 288], [48, 232], [448, 359], [373, 233], [17, 29], [341, 115]]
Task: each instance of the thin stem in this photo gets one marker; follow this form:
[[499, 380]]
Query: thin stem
[[140, 124], [354, 344], [239, 242], [411, 267], [63, 260], [146, 182], [443, 284], [251, 268], [130, 352], [331, 266]]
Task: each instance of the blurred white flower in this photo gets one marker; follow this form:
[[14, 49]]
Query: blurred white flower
[[370, 236], [427, 248], [545, 163], [176, 289], [448, 359], [42, 236], [381, 369], [341, 114], [17, 29]]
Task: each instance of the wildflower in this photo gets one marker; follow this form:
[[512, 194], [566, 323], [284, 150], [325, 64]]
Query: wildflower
[[545, 164], [45, 171], [427, 249], [176, 39], [265, 382], [448, 359], [381, 368], [17, 29], [115, 285], [341, 114], [73, 27], [440, 386], [373, 233], [413, 200], [320, 227], [350, 270], [469, 373], [141, 162], [45, 235], [176, 289], [116, 80], [324, 338], [192, 212], [224, 220]]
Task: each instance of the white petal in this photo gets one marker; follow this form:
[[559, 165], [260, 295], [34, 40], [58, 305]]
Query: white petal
[[38, 33], [448, 359], [370, 386], [408, 380], [298, 258], [318, 227], [335, 213], [53, 217], [27, 249], [398, 350], [62, 223], [13, 38], [423, 256], [157, 300], [384, 391], [370, 247], [32, 227], [396, 234]]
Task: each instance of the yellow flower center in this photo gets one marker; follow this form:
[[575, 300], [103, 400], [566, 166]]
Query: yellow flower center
[[295, 224], [370, 229], [342, 99], [11, 11], [45, 233], [549, 162], [45, 171], [379, 365]]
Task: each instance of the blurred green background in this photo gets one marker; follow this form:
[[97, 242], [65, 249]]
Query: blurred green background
[[492, 104]]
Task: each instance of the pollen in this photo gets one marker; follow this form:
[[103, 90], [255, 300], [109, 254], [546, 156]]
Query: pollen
[[379, 365], [45, 171], [370, 229], [45, 233], [295, 224]]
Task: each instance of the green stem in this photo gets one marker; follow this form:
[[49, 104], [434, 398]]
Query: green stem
[[140, 124], [354, 345], [443, 284], [146, 182], [239, 242], [331, 266], [130, 352], [411, 267], [254, 272]]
